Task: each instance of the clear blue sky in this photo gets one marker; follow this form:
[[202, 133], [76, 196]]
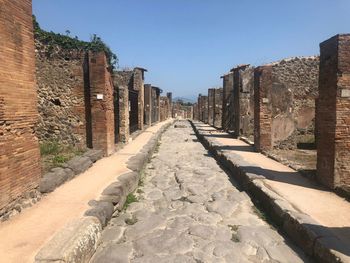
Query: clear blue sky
[[186, 45]]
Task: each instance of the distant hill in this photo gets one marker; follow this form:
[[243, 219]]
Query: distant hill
[[184, 100]]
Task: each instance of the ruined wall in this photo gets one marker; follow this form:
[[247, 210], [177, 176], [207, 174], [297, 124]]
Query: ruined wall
[[211, 101], [122, 80], [218, 94], [148, 104], [102, 103], [227, 102], [289, 100], [204, 108], [170, 98], [19, 148], [333, 114], [138, 84], [195, 112], [61, 99], [243, 101], [164, 108]]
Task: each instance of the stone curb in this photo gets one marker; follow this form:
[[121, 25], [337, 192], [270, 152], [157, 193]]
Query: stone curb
[[315, 240], [77, 242], [59, 175]]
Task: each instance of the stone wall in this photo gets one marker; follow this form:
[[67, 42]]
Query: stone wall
[[61, 99], [130, 81], [285, 103], [19, 148], [333, 114], [243, 101], [211, 101], [227, 102], [218, 95]]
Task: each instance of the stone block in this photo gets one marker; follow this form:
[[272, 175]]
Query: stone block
[[75, 243], [93, 155], [54, 179], [79, 164]]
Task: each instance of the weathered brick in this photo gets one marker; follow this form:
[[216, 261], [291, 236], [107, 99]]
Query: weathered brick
[[19, 149], [333, 113]]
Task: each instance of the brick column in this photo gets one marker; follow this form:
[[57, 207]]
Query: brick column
[[102, 106], [218, 107], [20, 168], [170, 98], [226, 102], [124, 123], [262, 108], [139, 86], [333, 113], [211, 99]]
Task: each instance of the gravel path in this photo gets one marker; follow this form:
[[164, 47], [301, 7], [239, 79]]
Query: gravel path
[[188, 210]]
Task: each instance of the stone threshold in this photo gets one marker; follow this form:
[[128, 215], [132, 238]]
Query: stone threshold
[[78, 241], [314, 239]]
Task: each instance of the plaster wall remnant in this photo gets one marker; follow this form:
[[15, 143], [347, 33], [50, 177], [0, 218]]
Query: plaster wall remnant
[[20, 169], [284, 106], [333, 114]]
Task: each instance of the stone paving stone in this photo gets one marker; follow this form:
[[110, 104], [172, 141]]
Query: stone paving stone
[[189, 210]]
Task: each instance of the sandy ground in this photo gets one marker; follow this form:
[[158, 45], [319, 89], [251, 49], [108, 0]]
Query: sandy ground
[[23, 236]]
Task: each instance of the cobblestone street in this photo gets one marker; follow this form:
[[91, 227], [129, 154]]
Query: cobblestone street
[[187, 209]]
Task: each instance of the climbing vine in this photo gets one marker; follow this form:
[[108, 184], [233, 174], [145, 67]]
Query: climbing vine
[[67, 42]]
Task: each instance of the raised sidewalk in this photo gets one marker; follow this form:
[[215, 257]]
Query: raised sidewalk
[[316, 219], [25, 234]]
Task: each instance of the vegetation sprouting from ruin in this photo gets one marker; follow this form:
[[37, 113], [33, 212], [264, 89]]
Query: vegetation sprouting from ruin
[[66, 42]]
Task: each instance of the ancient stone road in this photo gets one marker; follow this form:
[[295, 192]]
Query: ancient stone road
[[189, 211]]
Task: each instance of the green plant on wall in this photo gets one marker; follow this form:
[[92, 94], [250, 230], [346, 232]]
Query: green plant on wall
[[66, 42]]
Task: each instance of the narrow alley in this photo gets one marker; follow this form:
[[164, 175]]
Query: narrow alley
[[187, 209]]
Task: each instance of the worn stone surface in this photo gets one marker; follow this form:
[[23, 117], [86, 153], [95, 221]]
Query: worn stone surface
[[55, 178], [76, 242], [188, 210]]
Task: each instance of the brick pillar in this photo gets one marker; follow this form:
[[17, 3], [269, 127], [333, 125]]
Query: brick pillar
[[262, 108], [199, 104], [170, 98], [158, 105], [20, 168], [148, 104], [139, 86], [236, 102], [124, 123], [211, 99], [218, 107], [333, 113], [102, 106], [227, 90]]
